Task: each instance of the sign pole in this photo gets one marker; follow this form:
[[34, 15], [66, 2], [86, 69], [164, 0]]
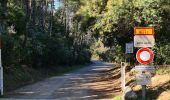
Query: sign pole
[[123, 79], [1, 71], [143, 92], [144, 37], [123, 75]]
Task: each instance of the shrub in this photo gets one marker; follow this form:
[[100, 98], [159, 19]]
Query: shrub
[[83, 57], [114, 54], [162, 54]]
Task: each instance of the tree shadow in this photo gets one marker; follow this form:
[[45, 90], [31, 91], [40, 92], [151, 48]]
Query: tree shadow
[[131, 83], [109, 84], [111, 74]]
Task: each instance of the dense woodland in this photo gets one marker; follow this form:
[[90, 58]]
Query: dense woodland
[[36, 34]]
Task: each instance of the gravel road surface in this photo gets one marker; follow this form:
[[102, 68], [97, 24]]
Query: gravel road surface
[[71, 86]]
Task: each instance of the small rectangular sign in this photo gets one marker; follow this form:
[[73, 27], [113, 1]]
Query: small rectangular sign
[[144, 41], [129, 48], [143, 31], [147, 68], [143, 79]]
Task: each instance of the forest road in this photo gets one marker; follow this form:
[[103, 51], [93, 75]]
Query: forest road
[[71, 86]]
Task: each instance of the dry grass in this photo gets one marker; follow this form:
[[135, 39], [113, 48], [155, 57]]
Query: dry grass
[[160, 87], [108, 84]]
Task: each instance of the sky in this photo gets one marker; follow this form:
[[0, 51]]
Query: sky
[[57, 4]]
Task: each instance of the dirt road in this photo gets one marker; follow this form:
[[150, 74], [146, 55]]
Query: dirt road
[[71, 86]]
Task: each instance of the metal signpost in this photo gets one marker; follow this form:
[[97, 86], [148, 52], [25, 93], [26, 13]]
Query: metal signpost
[[1, 71], [144, 37], [123, 80]]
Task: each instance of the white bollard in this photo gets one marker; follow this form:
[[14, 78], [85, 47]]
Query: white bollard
[[1, 75], [1, 80]]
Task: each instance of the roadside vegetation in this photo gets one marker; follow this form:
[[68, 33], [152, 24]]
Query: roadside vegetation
[[37, 36], [109, 84], [160, 87], [23, 75], [38, 41]]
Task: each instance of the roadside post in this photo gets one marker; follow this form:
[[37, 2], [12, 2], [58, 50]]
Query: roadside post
[[128, 50], [145, 41], [1, 71], [123, 80]]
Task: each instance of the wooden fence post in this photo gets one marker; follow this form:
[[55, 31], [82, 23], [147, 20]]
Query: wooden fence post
[[123, 74]]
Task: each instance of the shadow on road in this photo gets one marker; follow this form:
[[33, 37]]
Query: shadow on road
[[93, 82]]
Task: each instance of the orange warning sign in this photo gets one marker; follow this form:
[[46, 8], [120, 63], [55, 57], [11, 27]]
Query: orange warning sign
[[143, 31]]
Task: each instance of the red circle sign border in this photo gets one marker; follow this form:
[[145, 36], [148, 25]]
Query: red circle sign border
[[140, 60]]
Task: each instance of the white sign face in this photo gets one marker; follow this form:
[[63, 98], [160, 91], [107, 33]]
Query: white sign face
[[145, 56], [148, 68], [144, 41], [129, 48], [143, 79]]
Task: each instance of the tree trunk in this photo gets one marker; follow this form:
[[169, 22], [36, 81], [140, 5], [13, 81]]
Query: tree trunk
[[3, 17], [27, 19], [51, 17], [33, 14]]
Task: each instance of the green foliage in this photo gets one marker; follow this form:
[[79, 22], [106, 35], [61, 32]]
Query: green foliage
[[27, 42], [113, 55], [162, 55], [68, 41], [83, 56], [114, 21], [11, 50], [118, 97]]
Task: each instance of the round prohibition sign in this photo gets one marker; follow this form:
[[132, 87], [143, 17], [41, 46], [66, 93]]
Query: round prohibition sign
[[144, 56]]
